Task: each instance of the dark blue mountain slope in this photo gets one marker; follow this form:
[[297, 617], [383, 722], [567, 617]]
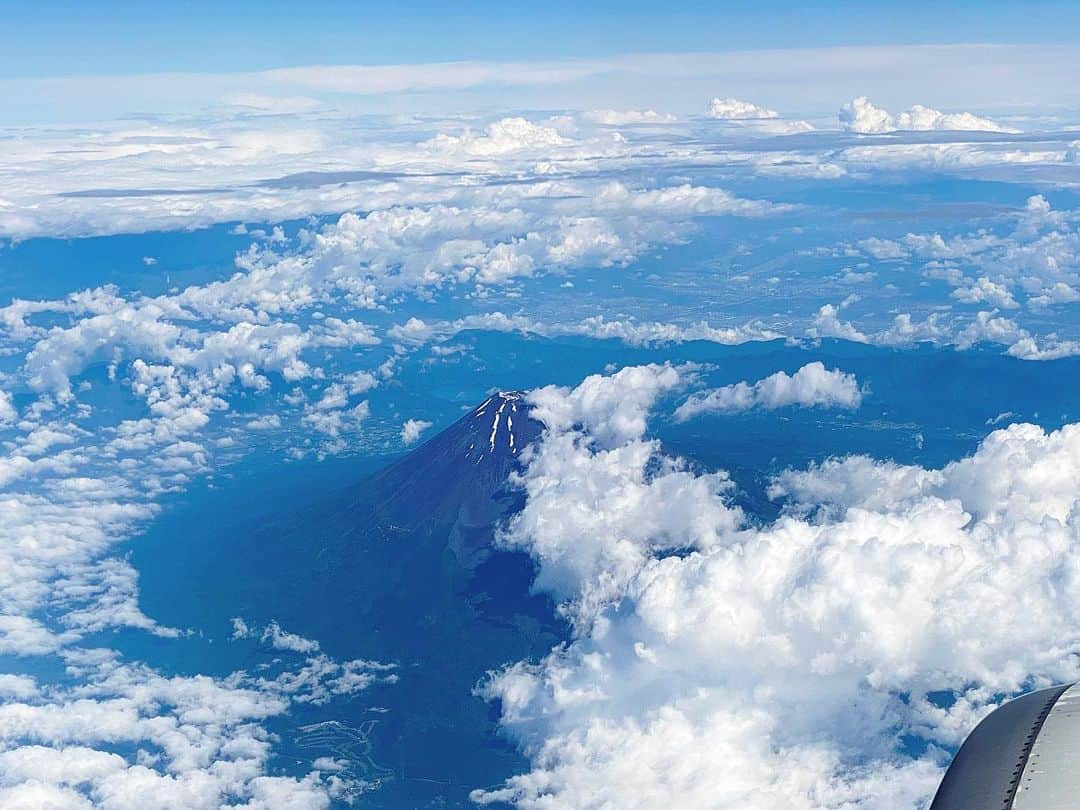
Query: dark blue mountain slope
[[403, 567]]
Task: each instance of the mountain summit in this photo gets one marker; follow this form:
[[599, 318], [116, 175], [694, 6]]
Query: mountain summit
[[500, 409], [459, 478]]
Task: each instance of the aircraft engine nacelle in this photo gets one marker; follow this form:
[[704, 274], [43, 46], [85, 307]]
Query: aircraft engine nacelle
[[1025, 755]]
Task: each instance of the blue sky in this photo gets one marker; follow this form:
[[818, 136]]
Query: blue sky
[[53, 38]]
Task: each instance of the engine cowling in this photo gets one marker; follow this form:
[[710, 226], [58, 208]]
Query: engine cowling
[[1025, 755]]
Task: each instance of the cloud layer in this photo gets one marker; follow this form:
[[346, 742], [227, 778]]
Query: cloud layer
[[718, 664], [713, 660]]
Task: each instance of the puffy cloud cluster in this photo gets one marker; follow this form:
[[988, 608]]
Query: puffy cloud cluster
[[594, 446], [8, 413], [861, 116], [961, 332], [552, 146], [633, 333], [413, 429], [283, 640], [126, 736], [724, 665], [114, 733], [811, 386], [501, 137], [1030, 265], [754, 120], [651, 333], [1035, 265], [731, 109], [502, 235]]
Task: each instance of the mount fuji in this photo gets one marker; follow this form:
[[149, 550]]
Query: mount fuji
[[459, 479], [402, 566]]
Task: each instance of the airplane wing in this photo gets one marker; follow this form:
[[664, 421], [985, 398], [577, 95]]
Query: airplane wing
[[1025, 755]]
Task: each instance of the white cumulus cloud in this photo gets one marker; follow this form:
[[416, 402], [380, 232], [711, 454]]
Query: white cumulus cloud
[[811, 386], [412, 430], [862, 116], [8, 413], [501, 137], [781, 665], [731, 109]]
